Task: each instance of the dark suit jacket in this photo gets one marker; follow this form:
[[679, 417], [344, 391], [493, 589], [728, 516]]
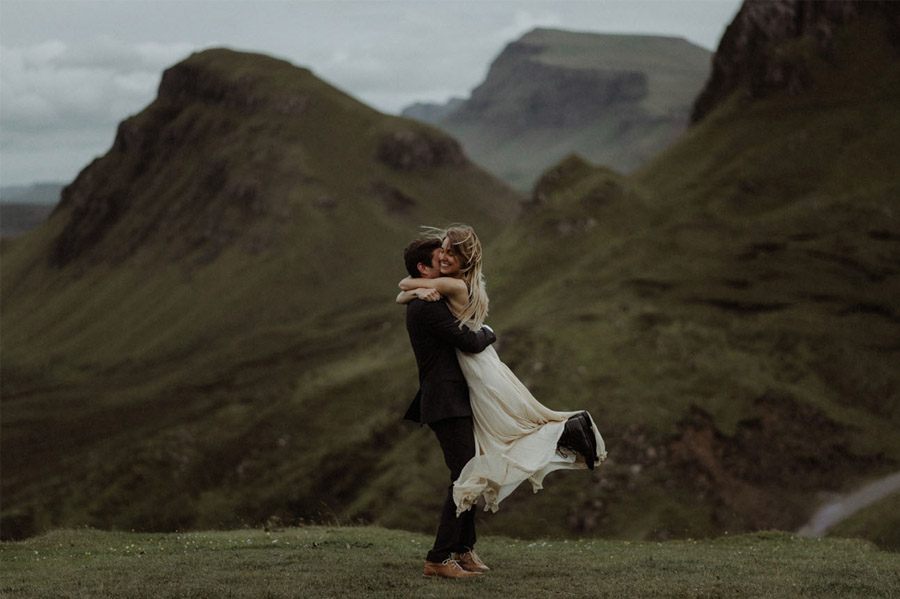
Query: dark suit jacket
[[435, 334]]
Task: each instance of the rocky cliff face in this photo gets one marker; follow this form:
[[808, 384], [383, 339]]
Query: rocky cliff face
[[166, 175], [767, 45], [521, 92], [614, 99], [222, 155]]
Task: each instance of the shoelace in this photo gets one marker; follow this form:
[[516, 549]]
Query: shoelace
[[451, 562]]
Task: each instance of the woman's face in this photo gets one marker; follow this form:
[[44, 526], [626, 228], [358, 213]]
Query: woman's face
[[449, 259]]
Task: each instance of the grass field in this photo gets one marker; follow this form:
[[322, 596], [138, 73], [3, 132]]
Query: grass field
[[377, 562]]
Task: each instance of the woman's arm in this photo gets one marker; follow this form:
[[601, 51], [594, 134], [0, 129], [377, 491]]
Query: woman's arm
[[429, 295], [446, 286]]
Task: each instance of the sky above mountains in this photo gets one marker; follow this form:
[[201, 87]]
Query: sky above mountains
[[71, 70]]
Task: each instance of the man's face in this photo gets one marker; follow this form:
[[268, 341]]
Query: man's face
[[433, 270]]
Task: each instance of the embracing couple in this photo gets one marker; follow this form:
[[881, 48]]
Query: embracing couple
[[494, 434]]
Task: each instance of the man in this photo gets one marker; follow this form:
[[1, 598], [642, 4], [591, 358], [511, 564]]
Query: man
[[443, 404]]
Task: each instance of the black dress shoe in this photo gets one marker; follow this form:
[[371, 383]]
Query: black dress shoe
[[592, 440], [579, 437]]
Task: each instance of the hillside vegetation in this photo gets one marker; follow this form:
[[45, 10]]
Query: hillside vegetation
[[731, 310], [206, 321], [192, 349]]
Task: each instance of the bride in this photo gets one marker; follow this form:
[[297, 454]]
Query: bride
[[516, 437]]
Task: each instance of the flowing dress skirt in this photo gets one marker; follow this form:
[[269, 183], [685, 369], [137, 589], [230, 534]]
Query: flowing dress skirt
[[515, 435]]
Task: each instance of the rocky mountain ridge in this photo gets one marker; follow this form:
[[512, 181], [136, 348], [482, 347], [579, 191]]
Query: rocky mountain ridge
[[727, 314], [202, 103], [566, 97], [615, 99], [768, 45]]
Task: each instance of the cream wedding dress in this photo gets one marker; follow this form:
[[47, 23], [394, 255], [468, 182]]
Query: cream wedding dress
[[515, 435]]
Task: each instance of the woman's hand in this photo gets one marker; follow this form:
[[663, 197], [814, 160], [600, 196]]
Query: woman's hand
[[429, 295], [422, 293]]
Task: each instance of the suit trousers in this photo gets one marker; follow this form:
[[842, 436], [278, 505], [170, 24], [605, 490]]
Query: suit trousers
[[457, 439]]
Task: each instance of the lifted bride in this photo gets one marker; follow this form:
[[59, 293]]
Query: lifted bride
[[516, 437]]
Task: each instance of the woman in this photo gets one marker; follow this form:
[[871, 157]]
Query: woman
[[516, 437]]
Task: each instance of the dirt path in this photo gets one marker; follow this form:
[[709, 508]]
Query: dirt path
[[842, 507]]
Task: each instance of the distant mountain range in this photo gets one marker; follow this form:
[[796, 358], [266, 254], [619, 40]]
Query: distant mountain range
[[36, 193], [617, 100], [24, 207], [16, 219], [203, 332]]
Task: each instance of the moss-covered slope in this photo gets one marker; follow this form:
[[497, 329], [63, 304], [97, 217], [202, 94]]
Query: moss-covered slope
[[206, 320]]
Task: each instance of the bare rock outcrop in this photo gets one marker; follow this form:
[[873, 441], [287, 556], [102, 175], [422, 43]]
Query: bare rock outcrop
[[766, 46], [412, 150], [521, 92]]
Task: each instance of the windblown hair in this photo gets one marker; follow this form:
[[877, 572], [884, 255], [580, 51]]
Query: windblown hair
[[468, 248]]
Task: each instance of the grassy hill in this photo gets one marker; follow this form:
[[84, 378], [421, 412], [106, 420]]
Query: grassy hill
[[615, 99], [205, 313], [730, 311], [348, 561], [879, 522], [212, 353]]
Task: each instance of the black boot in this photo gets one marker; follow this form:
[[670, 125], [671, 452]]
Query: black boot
[[578, 436]]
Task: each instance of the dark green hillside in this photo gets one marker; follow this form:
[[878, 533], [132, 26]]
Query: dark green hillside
[[879, 522], [186, 347], [204, 329], [731, 312], [615, 99]]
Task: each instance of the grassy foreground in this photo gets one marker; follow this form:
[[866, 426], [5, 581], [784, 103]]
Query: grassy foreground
[[376, 562]]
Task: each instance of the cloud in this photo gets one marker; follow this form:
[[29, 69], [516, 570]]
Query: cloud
[[524, 21], [60, 102], [54, 85]]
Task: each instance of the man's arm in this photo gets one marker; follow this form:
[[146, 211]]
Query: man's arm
[[442, 323]]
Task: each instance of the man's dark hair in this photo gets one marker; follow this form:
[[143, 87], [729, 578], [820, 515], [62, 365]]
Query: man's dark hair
[[418, 251]]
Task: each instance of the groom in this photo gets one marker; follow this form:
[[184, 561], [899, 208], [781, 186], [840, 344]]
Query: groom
[[443, 404]]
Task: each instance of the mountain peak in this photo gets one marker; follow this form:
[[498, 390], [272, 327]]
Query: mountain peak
[[542, 35], [771, 45], [236, 146], [242, 80], [615, 99]]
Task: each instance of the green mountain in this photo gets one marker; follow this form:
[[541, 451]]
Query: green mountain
[[179, 354], [730, 312], [209, 310], [615, 99]]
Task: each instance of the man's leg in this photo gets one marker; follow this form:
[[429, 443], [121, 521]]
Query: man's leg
[[454, 534]]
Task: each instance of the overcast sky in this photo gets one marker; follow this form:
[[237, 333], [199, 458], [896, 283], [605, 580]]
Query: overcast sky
[[71, 70]]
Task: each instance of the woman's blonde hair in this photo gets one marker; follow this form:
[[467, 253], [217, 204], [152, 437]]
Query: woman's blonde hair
[[468, 247]]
